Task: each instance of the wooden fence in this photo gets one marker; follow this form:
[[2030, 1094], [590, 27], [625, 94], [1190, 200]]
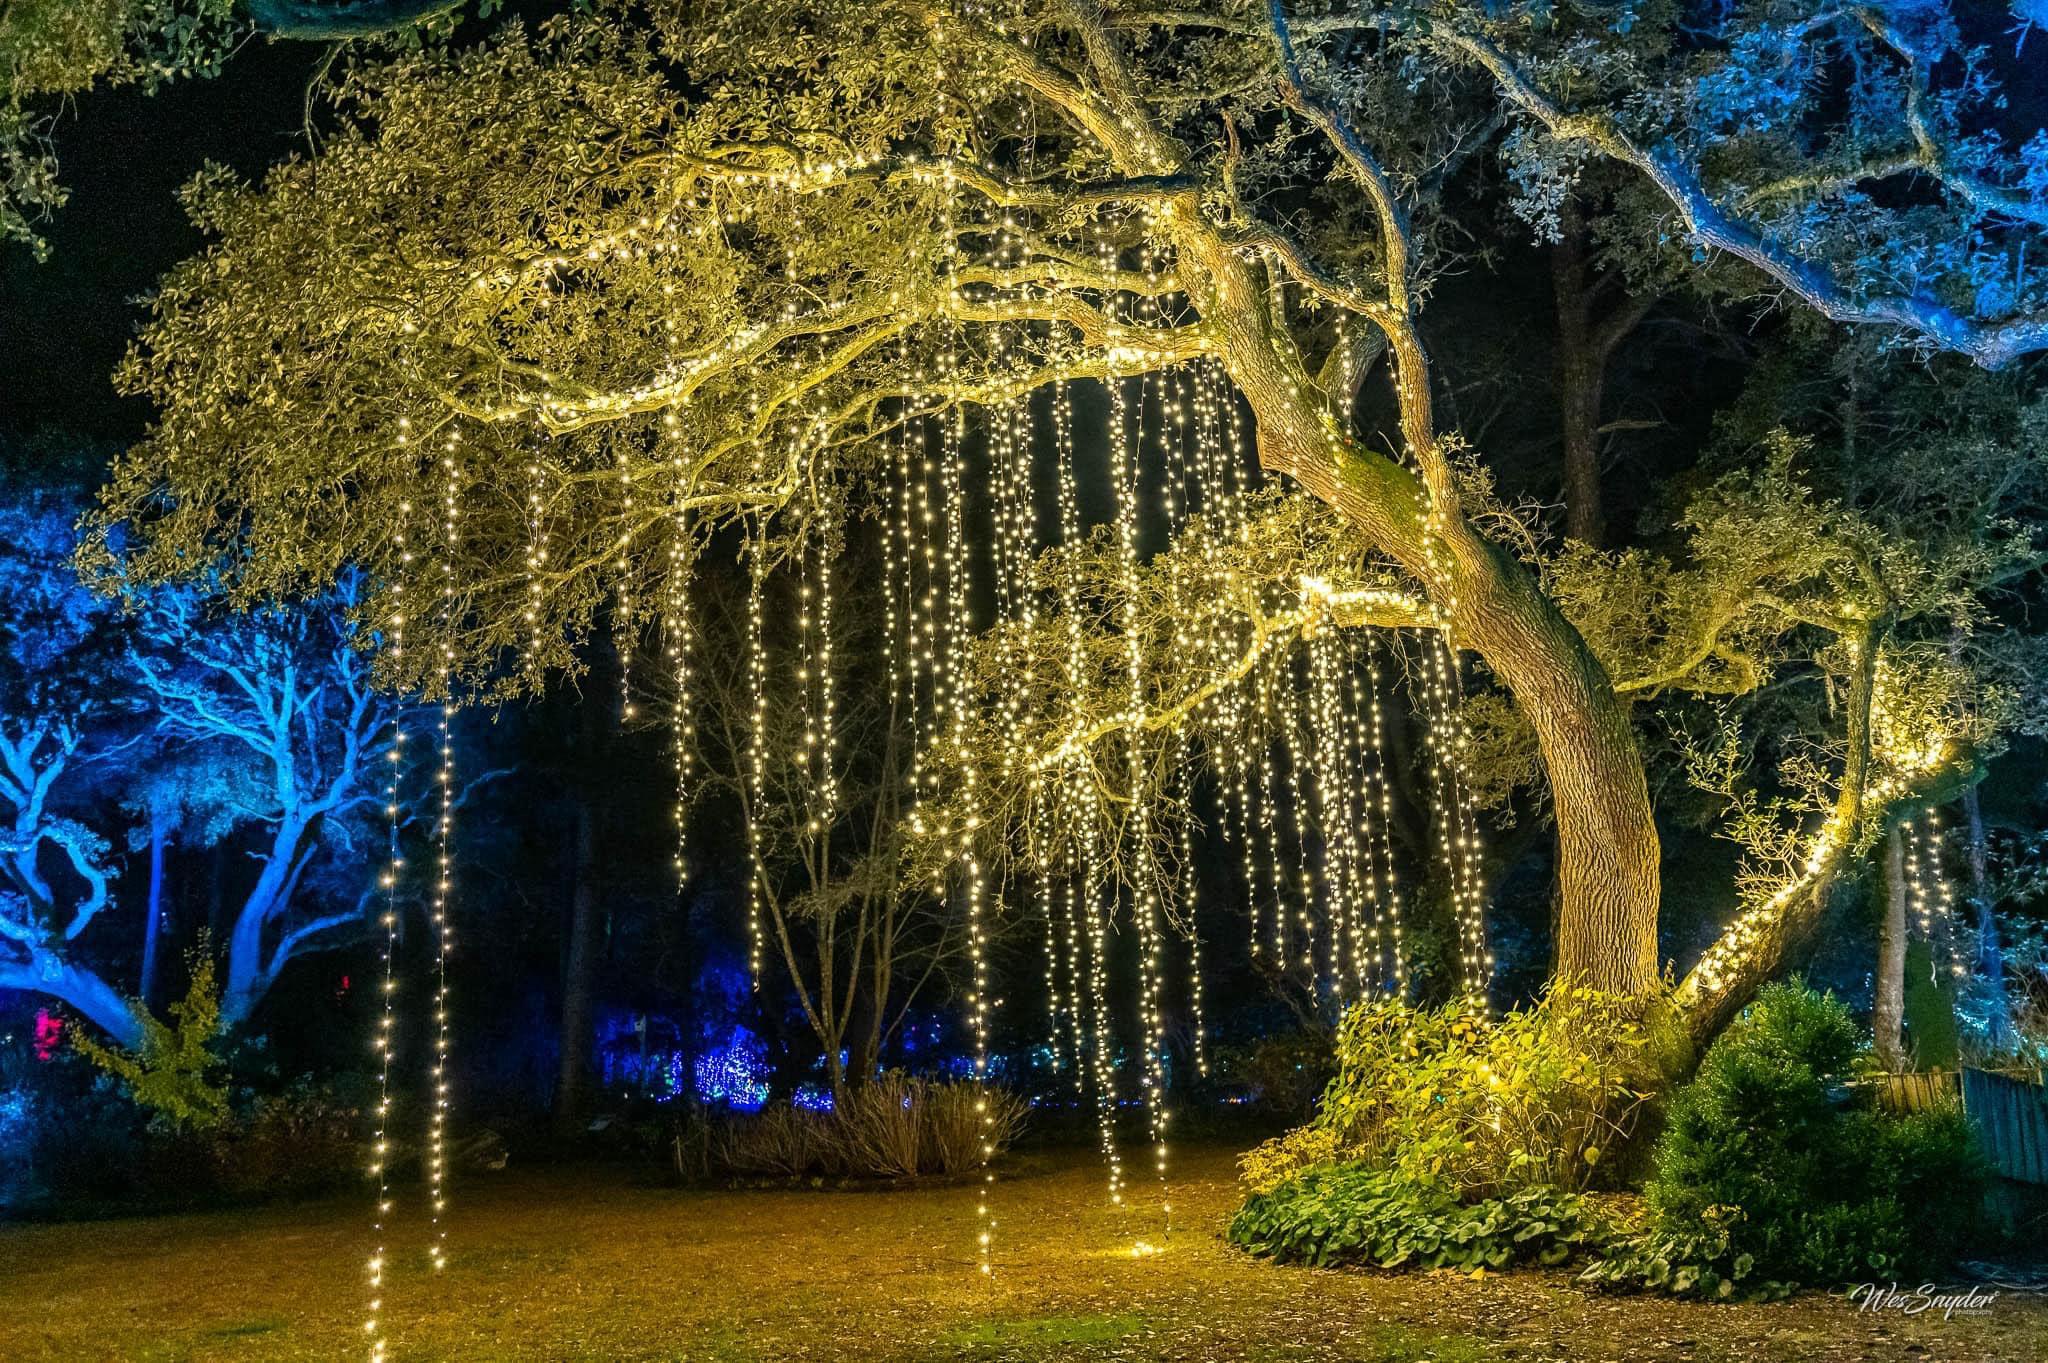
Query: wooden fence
[[1915, 1092], [2010, 1116]]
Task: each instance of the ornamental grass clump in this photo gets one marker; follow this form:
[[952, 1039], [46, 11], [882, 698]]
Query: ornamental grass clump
[[891, 1127]]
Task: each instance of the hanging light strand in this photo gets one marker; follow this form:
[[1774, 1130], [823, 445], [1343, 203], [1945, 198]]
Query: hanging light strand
[[391, 883], [757, 741], [444, 870]]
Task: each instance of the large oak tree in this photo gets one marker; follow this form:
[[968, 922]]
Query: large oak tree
[[591, 290]]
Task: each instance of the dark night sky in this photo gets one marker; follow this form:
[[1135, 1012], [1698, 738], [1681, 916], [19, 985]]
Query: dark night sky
[[123, 155]]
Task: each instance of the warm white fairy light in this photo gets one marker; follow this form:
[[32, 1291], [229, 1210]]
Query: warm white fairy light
[[1457, 827], [1072, 886], [1230, 745], [1266, 798], [389, 883], [757, 741], [626, 620], [681, 714], [1295, 744], [444, 879], [958, 706], [899, 656], [1758, 924], [1339, 788], [1933, 900], [1039, 834], [1376, 812], [536, 562], [1190, 893], [1143, 880], [1080, 810]]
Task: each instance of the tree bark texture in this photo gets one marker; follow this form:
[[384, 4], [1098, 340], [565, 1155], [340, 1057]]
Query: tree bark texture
[[153, 924], [579, 966], [1608, 849], [1888, 993], [1580, 375]]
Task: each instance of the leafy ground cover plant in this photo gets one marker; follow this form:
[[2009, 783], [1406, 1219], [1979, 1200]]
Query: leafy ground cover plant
[[1338, 1214]]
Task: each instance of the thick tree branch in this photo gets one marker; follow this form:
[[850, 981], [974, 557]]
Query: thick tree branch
[[1992, 345]]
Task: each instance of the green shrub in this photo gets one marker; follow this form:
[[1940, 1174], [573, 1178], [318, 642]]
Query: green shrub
[[1451, 1098], [1350, 1214], [175, 1072], [304, 1140], [1767, 1173], [92, 1151], [1285, 1071], [1704, 1263]]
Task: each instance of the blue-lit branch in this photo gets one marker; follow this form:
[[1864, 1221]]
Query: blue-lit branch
[[35, 918], [1992, 344], [290, 689]]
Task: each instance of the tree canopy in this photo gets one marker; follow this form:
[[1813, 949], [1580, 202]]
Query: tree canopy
[[550, 312]]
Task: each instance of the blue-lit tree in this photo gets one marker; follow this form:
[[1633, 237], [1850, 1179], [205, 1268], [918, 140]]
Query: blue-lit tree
[[288, 692], [63, 648], [258, 725]]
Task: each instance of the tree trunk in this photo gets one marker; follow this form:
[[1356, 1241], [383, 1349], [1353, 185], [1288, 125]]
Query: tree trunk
[[864, 1030], [153, 923], [1888, 995], [1580, 375], [217, 888], [579, 976], [249, 974], [579, 967], [1608, 850], [1990, 955], [1755, 945]]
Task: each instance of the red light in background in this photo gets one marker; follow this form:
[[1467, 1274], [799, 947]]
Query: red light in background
[[49, 1034]]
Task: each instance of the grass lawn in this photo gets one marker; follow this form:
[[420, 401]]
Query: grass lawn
[[577, 1266]]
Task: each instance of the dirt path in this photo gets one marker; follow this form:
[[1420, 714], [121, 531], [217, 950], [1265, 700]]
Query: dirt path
[[582, 1267]]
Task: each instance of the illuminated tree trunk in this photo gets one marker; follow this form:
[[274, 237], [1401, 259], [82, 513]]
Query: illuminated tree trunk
[[1888, 997], [1990, 956], [153, 924], [1608, 850], [46, 973], [249, 974]]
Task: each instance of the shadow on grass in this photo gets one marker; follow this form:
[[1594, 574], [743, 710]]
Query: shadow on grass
[[1387, 1344], [243, 1328], [1035, 1336]]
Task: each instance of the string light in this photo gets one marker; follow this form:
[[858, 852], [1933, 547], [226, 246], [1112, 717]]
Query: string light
[[536, 565], [444, 880], [681, 717], [1457, 829], [1143, 880], [1191, 922], [757, 741], [1378, 800], [389, 882], [1933, 899], [1080, 809]]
